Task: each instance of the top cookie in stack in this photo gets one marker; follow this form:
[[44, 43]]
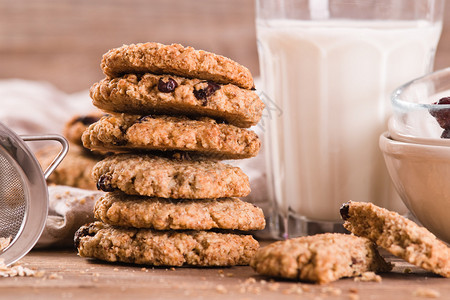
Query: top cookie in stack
[[185, 109], [184, 99]]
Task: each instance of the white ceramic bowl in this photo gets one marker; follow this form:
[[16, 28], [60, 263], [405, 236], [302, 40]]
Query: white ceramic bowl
[[411, 105], [421, 175]]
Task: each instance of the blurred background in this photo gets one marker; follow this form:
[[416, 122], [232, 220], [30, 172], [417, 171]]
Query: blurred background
[[62, 41]]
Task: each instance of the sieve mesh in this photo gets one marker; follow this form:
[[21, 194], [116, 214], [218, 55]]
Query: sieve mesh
[[12, 199]]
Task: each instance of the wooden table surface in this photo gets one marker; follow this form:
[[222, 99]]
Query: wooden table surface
[[68, 276]]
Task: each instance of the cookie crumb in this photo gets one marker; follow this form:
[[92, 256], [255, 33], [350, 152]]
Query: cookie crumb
[[331, 291], [407, 271], [221, 289], [369, 276], [250, 280], [294, 289], [55, 276], [273, 287], [353, 297], [426, 293]]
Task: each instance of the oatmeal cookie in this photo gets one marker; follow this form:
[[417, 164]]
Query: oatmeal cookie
[[164, 133], [74, 128], [177, 60], [398, 235], [163, 214], [75, 169], [162, 94], [319, 258], [156, 176], [164, 248]]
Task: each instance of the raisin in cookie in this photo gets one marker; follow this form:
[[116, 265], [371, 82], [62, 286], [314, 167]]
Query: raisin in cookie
[[164, 248], [319, 258], [155, 176], [398, 235], [177, 60], [163, 214], [165, 133], [162, 94]]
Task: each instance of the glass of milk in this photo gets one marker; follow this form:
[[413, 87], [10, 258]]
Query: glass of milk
[[327, 69]]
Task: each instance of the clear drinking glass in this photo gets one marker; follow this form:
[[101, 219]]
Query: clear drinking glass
[[328, 68]]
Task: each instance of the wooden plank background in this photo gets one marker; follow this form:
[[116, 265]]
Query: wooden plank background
[[61, 41]]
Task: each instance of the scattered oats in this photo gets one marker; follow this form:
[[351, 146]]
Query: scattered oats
[[172, 269], [353, 290], [263, 282], [220, 271], [407, 270], [331, 291], [368, 276], [82, 201], [273, 287], [229, 274], [4, 242], [115, 269], [221, 289], [17, 270], [96, 275], [426, 293]]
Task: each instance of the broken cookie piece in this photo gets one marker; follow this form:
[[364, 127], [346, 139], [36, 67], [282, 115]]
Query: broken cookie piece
[[319, 258]]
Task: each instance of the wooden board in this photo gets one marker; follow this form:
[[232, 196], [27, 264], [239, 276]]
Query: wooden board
[[68, 276]]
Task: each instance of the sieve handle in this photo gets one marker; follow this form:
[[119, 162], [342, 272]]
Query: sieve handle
[[50, 137]]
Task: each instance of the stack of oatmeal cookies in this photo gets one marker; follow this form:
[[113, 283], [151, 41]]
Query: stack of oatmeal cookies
[[173, 114]]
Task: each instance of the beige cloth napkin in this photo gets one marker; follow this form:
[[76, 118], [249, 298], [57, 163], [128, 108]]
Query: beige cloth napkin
[[69, 208]]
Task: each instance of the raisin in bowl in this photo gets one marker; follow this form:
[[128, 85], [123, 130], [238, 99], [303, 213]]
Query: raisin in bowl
[[421, 110]]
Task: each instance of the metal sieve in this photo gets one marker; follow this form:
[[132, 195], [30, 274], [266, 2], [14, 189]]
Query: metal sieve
[[23, 192]]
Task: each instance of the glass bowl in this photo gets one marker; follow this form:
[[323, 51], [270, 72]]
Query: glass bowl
[[416, 117], [420, 175]]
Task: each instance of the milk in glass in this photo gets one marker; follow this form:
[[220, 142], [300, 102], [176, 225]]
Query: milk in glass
[[332, 79]]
